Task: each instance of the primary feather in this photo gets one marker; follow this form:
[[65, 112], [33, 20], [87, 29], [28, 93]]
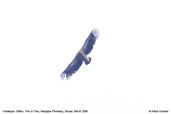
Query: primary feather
[[90, 41], [72, 67]]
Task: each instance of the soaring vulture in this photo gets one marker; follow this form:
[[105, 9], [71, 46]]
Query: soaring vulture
[[81, 55]]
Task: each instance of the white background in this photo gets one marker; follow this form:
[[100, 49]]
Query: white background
[[130, 70]]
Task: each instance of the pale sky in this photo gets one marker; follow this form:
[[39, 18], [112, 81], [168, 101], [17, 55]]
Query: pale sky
[[130, 67]]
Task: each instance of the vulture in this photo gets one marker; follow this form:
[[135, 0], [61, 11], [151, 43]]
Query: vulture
[[81, 55]]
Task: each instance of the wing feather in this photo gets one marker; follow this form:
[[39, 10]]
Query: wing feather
[[72, 67], [90, 41]]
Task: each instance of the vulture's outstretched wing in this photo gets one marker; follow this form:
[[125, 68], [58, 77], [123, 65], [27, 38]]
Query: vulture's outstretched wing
[[81, 55], [72, 67], [90, 41]]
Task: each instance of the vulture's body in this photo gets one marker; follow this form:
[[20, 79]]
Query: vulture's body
[[81, 55]]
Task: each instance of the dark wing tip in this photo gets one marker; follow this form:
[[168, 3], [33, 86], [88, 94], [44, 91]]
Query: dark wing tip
[[95, 32]]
